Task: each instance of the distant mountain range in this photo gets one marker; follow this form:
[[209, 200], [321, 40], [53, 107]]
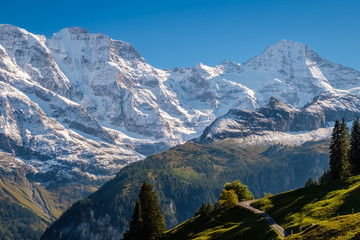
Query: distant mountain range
[[77, 107]]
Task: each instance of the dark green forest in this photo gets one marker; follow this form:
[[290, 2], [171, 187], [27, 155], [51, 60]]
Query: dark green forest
[[17, 222]]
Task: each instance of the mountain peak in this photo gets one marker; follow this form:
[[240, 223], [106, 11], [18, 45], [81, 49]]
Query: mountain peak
[[286, 49], [230, 66], [75, 30], [285, 55], [8, 29], [202, 67], [287, 43], [71, 32]]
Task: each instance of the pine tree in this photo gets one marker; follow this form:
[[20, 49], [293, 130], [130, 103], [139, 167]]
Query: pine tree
[[135, 225], [147, 222], [354, 155], [339, 149]]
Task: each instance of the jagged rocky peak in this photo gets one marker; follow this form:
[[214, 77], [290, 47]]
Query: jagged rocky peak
[[78, 39], [15, 39], [280, 117], [76, 30], [204, 70], [72, 33], [8, 30], [28, 58], [229, 66], [274, 103]]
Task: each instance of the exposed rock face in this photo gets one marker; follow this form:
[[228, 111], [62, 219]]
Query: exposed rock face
[[281, 114], [88, 87], [280, 117]]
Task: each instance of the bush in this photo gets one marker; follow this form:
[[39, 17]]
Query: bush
[[228, 199]]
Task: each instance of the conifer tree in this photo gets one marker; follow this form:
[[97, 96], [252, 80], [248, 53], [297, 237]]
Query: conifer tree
[[135, 225], [147, 222], [339, 149], [354, 155]]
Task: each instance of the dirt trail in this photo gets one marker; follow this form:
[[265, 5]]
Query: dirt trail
[[268, 219]]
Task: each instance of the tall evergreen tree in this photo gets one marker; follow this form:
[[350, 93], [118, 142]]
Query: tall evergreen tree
[[354, 155], [339, 151], [147, 222]]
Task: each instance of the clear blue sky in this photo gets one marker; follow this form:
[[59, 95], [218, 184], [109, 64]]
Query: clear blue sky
[[182, 33]]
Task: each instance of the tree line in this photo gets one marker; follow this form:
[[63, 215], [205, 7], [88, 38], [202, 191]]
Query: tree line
[[344, 150], [344, 153]]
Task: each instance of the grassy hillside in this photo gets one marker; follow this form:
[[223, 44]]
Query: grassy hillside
[[337, 228], [318, 212], [188, 175], [326, 211], [235, 223]]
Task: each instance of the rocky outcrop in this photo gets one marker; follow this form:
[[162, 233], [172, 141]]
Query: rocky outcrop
[[280, 117]]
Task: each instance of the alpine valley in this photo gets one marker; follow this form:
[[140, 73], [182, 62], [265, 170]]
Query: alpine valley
[[76, 108]]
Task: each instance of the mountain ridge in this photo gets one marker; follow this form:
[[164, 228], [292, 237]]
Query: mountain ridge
[[279, 117], [79, 106]]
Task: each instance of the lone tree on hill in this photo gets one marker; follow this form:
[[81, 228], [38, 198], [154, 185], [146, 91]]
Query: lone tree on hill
[[241, 190], [228, 199], [147, 222], [354, 155], [339, 151]]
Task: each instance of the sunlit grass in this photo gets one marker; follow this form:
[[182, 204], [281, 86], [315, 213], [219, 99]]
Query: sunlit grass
[[235, 223], [317, 204], [342, 227]]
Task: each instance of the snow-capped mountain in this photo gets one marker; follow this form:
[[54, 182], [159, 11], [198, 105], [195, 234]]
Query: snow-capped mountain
[[278, 122], [83, 104]]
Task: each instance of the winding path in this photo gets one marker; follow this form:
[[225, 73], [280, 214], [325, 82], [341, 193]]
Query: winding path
[[270, 220]]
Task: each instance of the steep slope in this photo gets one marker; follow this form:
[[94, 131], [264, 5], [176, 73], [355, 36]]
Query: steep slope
[[185, 177], [26, 208], [17, 222], [326, 211], [235, 223], [318, 212]]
